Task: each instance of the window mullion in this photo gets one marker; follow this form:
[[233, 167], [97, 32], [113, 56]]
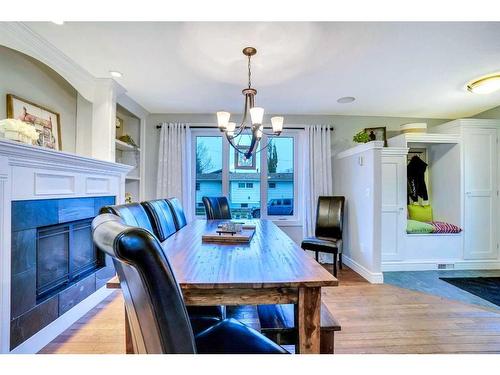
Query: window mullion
[[263, 179]]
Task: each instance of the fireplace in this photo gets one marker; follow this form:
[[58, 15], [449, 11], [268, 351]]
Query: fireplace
[[54, 263], [65, 253]]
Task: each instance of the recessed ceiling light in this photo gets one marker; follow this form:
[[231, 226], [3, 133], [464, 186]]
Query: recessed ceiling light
[[485, 85], [115, 73], [346, 99], [58, 22]]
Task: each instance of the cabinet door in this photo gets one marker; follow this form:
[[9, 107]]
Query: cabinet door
[[393, 207], [480, 163]]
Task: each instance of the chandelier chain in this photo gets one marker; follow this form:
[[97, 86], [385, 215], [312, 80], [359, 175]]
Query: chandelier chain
[[249, 74]]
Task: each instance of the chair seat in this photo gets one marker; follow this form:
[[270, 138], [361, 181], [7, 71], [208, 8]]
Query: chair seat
[[322, 245], [199, 324], [232, 337]]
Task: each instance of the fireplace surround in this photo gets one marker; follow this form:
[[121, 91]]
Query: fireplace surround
[[42, 193], [54, 261]]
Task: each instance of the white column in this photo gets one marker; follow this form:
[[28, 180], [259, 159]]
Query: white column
[[103, 119], [5, 231]]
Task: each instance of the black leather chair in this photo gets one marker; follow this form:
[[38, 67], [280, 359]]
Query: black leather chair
[[161, 217], [179, 217], [216, 208], [163, 220], [328, 233], [158, 318]]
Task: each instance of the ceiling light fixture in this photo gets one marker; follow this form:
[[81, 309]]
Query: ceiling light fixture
[[58, 22], [115, 74], [253, 128], [346, 99], [485, 85]]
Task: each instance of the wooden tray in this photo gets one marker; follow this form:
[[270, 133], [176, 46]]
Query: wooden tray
[[245, 236]]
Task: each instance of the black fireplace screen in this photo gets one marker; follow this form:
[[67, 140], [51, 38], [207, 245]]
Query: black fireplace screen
[[65, 253]]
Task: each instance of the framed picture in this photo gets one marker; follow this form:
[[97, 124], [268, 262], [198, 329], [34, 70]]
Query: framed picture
[[240, 162], [46, 122], [377, 134]]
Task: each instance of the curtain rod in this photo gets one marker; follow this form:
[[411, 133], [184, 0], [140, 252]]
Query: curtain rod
[[214, 127]]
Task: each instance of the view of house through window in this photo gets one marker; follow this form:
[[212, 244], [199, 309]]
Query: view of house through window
[[280, 176], [244, 182], [208, 169], [251, 193]]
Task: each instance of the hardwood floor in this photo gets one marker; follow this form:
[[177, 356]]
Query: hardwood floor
[[374, 319]]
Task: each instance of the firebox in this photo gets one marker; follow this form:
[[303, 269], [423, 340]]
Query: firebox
[[65, 253]]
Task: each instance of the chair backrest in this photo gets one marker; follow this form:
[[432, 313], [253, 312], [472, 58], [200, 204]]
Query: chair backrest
[[161, 216], [179, 217], [132, 214], [330, 217], [158, 319], [216, 208]]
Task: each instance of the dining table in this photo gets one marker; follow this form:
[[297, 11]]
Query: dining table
[[270, 269]]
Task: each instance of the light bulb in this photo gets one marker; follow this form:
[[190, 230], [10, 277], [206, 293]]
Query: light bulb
[[277, 123], [223, 120], [230, 128], [257, 115]]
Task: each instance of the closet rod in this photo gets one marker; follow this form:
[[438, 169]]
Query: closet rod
[[214, 127]]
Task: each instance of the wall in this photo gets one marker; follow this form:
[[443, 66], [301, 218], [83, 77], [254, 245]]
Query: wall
[[361, 185], [493, 113], [345, 128], [28, 78]]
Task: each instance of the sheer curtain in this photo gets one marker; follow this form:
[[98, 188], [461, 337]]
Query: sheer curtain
[[318, 172], [174, 164]]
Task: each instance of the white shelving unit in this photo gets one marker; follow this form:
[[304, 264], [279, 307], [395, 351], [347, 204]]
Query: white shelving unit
[[128, 154]]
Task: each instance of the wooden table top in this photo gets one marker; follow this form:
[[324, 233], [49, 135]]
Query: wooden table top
[[270, 260]]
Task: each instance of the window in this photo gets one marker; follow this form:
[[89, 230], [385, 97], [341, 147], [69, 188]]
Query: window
[[208, 168], [280, 173], [262, 186]]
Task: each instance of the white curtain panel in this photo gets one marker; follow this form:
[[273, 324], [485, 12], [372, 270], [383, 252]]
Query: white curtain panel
[[174, 177], [318, 172]]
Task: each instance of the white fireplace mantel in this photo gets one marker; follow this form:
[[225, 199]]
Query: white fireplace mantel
[[29, 173]]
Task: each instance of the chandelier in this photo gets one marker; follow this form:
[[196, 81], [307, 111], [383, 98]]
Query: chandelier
[[254, 128]]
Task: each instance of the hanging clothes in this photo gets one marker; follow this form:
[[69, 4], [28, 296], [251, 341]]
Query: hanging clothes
[[416, 181]]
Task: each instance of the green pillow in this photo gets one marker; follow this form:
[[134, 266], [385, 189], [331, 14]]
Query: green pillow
[[420, 213], [414, 226]]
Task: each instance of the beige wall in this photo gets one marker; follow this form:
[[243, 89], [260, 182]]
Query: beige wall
[[28, 78], [493, 113]]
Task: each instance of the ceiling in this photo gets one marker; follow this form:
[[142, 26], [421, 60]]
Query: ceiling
[[410, 69]]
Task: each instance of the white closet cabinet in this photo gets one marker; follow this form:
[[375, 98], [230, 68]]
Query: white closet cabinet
[[393, 203], [480, 185]]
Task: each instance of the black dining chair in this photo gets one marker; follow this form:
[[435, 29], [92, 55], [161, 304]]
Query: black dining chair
[[328, 232], [177, 210], [158, 319], [216, 208]]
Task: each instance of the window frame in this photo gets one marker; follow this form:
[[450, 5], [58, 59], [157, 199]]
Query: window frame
[[296, 134]]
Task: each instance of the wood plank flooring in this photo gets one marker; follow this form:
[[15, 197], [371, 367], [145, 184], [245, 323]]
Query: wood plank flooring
[[374, 319]]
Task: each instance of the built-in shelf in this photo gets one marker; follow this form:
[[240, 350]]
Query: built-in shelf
[[122, 146], [132, 178]]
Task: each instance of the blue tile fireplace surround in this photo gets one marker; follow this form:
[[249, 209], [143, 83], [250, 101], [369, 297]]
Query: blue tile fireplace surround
[[54, 264]]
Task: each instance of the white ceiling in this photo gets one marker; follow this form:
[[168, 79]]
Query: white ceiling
[[393, 69]]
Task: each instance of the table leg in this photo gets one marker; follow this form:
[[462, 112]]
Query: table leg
[[129, 346], [308, 322]]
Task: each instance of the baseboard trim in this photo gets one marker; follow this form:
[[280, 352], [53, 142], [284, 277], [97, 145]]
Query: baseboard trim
[[372, 277], [39, 340], [433, 265]]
